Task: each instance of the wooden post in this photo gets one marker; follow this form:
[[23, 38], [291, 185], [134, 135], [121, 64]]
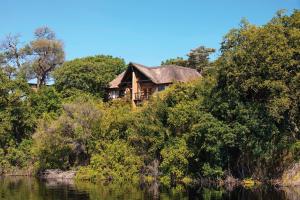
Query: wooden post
[[134, 88]]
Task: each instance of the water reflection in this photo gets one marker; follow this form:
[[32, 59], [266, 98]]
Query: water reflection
[[22, 188]]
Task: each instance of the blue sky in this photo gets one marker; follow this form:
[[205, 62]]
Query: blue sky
[[143, 31]]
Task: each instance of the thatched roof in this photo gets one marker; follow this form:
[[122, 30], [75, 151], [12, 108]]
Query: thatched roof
[[115, 83], [160, 75]]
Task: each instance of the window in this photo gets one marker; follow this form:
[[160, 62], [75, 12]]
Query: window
[[114, 94], [161, 87]]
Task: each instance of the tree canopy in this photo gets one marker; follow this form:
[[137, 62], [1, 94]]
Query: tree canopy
[[198, 58], [33, 60], [90, 74]]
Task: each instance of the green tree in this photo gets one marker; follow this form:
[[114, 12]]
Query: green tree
[[34, 60], [257, 93], [90, 74], [12, 56], [198, 58], [17, 119], [46, 54], [174, 165], [115, 161], [179, 61], [17, 123], [69, 139], [46, 100]]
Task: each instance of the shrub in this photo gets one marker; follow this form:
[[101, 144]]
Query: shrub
[[115, 161], [174, 165], [68, 141]]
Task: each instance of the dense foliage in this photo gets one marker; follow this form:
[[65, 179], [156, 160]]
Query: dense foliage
[[257, 92], [90, 74], [20, 109], [242, 120], [179, 61], [114, 161]]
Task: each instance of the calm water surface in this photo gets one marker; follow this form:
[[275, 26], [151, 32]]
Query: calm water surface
[[20, 188]]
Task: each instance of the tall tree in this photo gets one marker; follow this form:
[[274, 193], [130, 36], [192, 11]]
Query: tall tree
[[199, 58], [12, 55], [179, 61], [257, 92], [16, 116], [46, 52], [12, 51], [90, 74]]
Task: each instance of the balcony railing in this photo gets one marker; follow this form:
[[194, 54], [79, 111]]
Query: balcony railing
[[140, 96]]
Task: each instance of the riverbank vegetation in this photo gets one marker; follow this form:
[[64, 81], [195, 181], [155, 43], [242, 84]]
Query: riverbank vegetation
[[241, 119]]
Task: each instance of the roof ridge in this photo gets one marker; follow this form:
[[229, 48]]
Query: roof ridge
[[182, 67], [137, 64], [161, 66], [146, 71]]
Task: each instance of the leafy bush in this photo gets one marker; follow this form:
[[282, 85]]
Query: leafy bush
[[17, 120], [115, 161], [68, 140], [46, 100], [19, 156], [211, 172], [174, 165]]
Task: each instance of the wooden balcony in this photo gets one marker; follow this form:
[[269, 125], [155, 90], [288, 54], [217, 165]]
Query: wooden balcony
[[141, 96]]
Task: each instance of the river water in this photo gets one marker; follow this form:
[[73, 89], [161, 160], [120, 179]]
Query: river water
[[20, 188]]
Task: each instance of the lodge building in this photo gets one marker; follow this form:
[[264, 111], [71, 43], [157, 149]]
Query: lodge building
[[139, 82]]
